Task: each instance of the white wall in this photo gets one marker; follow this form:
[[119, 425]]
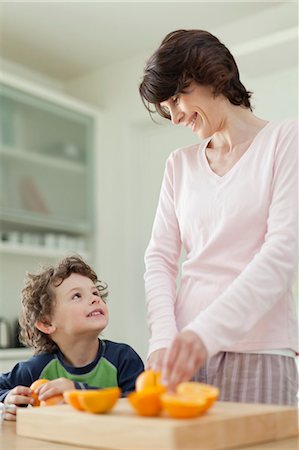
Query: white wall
[[130, 165]]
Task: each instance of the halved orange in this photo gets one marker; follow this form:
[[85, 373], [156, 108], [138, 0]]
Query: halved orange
[[147, 378], [147, 402], [99, 401], [54, 400], [34, 386], [183, 407], [71, 397], [198, 390]]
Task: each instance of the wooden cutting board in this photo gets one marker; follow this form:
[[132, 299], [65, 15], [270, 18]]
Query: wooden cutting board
[[225, 425]]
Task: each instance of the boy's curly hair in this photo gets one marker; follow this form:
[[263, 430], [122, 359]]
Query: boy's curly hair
[[38, 299]]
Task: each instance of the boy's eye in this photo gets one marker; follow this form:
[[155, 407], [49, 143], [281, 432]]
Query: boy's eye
[[76, 295], [96, 292], [175, 99]]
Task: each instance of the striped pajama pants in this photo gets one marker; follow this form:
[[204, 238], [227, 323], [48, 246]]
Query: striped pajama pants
[[252, 377]]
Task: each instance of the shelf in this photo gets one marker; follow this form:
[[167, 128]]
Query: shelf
[[31, 250], [44, 222], [44, 160]]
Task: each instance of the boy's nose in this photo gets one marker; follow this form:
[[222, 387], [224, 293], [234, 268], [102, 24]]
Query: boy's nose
[[94, 299]]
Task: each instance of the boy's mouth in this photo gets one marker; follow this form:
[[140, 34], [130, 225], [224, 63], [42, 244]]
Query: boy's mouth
[[96, 312]]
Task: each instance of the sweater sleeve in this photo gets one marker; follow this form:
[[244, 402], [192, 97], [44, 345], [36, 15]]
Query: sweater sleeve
[[161, 261], [271, 272]]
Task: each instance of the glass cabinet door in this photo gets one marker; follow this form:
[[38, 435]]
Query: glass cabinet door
[[45, 163]]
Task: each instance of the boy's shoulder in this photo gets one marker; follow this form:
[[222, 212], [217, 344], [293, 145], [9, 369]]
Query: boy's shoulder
[[122, 356], [117, 349], [116, 346], [38, 360]]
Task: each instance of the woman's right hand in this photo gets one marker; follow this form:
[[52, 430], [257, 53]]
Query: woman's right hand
[[156, 360]]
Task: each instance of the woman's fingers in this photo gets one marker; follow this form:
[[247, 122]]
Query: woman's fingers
[[156, 360], [183, 358]]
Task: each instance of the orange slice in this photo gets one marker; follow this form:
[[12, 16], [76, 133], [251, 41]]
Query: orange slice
[[147, 402], [146, 379], [71, 397], [181, 407], [54, 400], [99, 401], [198, 390]]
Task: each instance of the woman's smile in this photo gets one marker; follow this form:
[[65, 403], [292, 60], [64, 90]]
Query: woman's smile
[[191, 122]]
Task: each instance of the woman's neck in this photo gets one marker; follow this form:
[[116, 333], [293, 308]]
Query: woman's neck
[[239, 127]]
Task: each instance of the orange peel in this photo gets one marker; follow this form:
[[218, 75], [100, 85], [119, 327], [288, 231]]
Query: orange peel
[[181, 407], [147, 402], [98, 401], [54, 400], [34, 386], [146, 379], [198, 391], [71, 398]]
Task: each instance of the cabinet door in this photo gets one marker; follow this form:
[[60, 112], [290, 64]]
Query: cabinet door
[[45, 155], [46, 185]]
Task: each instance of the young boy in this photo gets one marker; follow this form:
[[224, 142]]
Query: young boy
[[63, 311]]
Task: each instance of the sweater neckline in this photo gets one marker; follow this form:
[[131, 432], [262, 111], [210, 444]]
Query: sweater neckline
[[237, 164], [83, 369]]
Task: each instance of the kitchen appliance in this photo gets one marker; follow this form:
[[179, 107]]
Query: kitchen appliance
[[16, 334], [5, 333]]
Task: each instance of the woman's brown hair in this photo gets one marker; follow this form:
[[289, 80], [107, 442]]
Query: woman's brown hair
[[191, 55], [38, 299]]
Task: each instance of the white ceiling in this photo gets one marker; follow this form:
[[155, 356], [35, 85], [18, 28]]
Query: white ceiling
[[65, 40]]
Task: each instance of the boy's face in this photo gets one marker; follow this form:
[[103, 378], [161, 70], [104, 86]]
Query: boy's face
[[79, 309]]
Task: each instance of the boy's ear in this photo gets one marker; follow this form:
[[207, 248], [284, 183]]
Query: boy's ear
[[45, 327]]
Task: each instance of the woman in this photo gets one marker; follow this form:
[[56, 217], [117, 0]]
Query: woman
[[231, 203]]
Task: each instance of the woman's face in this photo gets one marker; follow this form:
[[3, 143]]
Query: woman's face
[[198, 109]]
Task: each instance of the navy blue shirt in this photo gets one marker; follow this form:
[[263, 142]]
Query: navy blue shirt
[[115, 365]]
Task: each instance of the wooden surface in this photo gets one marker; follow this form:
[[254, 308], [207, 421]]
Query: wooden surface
[[9, 440], [226, 425]]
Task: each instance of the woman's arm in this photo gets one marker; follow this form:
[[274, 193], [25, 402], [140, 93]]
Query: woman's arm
[[161, 260]]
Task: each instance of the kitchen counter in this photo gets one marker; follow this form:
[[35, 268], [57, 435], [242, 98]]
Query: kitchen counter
[[15, 353], [11, 356], [9, 440]]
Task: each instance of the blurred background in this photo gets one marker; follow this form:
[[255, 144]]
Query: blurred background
[[81, 161]]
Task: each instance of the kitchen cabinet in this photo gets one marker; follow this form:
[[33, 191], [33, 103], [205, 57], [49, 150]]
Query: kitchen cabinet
[[47, 194]]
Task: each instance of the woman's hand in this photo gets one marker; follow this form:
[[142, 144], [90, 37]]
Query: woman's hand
[[54, 387], [185, 355], [18, 396], [156, 360]]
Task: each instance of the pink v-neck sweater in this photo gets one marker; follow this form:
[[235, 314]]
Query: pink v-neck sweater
[[240, 237]]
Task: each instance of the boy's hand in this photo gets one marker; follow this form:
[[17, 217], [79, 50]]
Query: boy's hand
[[54, 387], [19, 396]]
